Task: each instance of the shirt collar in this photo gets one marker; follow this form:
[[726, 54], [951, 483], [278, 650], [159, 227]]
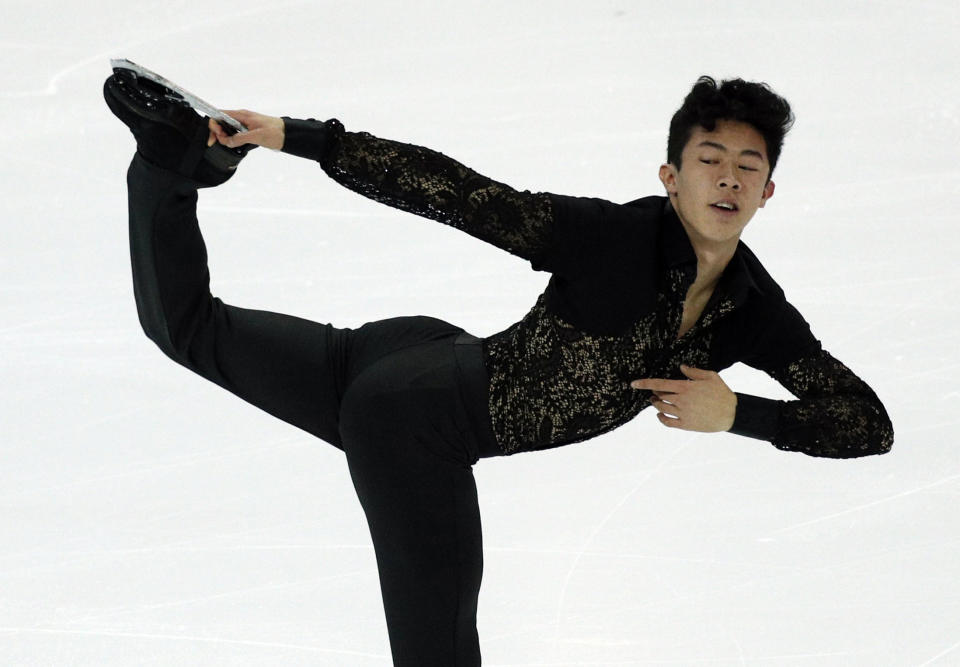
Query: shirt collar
[[737, 279]]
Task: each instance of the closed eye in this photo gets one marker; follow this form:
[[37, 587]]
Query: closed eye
[[744, 167]]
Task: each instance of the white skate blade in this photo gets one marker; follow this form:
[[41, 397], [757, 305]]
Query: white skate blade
[[195, 102]]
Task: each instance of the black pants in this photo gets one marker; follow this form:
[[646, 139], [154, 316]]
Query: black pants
[[404, 398]]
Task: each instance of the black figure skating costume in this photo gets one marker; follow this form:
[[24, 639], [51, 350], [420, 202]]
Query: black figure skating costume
[[414, 402]]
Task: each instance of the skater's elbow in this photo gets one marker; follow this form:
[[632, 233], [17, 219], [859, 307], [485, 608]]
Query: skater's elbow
[[880, 437], [876, 443], [884, 442]]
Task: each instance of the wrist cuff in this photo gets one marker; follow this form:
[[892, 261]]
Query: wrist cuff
[[309, 138], [756, 417]]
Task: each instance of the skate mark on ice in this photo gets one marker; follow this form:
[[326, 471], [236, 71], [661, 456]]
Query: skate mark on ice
[[189, 638], [859, 508], [81, 557], [879, 324], [940, 655], [596, 531], [787, 569], [53, 85], [150, 467], [219, 596]]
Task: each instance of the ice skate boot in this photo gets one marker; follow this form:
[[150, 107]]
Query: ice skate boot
[[169, 133]]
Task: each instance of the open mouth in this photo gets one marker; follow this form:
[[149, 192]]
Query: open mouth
[[725, 206]]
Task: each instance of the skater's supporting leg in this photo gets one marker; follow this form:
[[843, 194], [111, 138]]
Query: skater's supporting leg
[[409, 446]]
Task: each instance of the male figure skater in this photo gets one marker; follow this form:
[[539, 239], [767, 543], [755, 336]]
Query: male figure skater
[[646, 302]]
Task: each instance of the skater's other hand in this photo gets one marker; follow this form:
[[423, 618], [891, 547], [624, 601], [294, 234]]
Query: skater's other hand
[[261, 130], [703, 402]]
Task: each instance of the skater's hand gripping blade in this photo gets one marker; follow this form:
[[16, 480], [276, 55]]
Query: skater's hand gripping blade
[[151, 83]]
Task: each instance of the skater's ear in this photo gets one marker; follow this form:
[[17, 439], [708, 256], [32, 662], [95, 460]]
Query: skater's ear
[[767, 193], [668, 176]]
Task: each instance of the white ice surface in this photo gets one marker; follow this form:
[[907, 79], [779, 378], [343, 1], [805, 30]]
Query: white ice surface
[[147, 517]]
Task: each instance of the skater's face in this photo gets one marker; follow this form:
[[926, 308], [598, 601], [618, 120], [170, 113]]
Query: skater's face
[[722, 181]]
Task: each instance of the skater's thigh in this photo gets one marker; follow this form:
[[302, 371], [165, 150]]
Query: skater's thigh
[[288, 366], [374, 341], [295, 369]]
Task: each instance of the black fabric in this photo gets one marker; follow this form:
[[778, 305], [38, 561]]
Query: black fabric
[[415, 401], [613, 307], [475, 390], [390, 394], [756, 417], [307, 138]]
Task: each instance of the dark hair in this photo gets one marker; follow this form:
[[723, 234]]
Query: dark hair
[[735, 99]]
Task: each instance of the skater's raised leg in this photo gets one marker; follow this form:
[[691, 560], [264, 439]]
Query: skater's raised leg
[[277, 362], [285, 365]]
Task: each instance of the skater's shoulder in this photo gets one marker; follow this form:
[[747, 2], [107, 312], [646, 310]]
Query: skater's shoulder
[[748, 279]]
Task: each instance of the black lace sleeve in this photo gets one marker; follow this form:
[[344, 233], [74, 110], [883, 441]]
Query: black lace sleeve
[[837, 415], [429, 184]]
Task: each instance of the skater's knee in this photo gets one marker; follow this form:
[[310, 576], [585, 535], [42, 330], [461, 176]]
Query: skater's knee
[[180, 337], [154, 324], [160, 336]]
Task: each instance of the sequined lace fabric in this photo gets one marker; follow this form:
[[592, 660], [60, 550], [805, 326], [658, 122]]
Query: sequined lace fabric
[[839, 416], [553, 384], [429, 184]]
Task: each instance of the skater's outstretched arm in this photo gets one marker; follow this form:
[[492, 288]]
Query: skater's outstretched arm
[[414, 179]]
